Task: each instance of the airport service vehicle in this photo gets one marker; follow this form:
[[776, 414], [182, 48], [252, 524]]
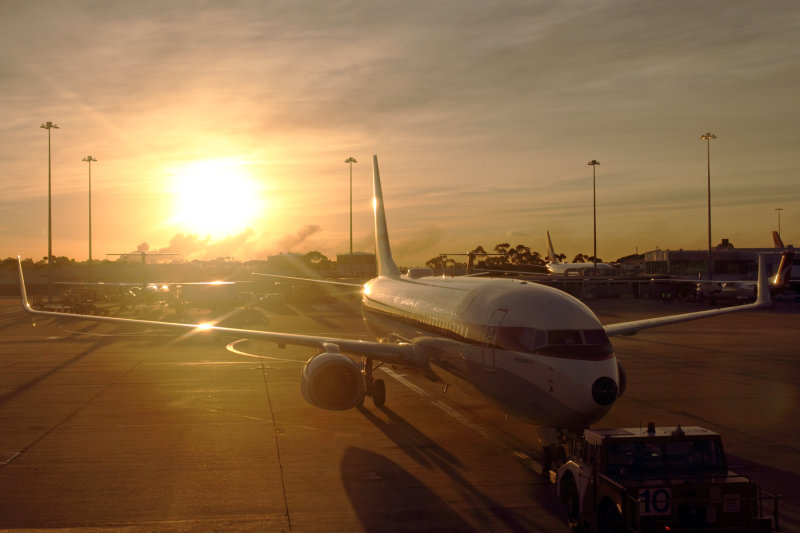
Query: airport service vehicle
[[658, 479], [532, 350]]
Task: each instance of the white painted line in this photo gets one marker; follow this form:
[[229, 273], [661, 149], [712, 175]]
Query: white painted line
[[11, 457], [231, 347]]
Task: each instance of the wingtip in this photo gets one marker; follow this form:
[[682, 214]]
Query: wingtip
[[23, 292]]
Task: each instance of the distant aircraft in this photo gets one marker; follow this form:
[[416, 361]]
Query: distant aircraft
[[554, 266], [727, 291], [534, 350]]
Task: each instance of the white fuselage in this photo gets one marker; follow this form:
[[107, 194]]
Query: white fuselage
[[566, 268], [535, 350]]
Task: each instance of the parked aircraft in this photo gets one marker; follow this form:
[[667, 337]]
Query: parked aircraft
[[554, 266], [534, 350], [732, 291]]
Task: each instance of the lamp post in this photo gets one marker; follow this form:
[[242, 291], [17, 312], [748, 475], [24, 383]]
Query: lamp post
[[351, 160], [594, 164], [779, 209], [707, 137], [49, 126], [89, 160]]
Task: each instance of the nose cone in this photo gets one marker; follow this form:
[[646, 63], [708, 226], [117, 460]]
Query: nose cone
[[604, 391]]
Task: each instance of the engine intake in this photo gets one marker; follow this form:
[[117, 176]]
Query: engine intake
[[332, 381]]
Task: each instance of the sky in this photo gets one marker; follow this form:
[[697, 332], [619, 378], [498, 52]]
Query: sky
[[221, 129]]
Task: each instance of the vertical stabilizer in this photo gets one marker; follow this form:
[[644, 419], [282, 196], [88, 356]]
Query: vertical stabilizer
[[776, 237], [781, 279], [386, 266], [550, 252]]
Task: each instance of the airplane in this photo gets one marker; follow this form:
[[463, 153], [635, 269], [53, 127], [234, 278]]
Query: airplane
[[531, 349], [554, 266], [721, 291]]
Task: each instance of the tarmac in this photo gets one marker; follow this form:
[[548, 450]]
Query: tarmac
[[105, 428]]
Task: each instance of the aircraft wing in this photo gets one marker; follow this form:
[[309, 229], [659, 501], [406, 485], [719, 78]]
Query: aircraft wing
[[401, 354], [327, 281], [629, 328]]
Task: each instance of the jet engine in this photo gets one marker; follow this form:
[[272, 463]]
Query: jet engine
[[623, 379], [332, 381]]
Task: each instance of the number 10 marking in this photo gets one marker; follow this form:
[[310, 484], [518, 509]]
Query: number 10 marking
[[655, 502]]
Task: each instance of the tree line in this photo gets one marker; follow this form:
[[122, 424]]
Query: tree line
[[504, 256]]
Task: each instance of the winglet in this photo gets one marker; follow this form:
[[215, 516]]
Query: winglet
[[23, 293], [386, 265], [763, 298], [550, 251]]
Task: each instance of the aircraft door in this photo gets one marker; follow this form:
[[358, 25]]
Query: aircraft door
[[490, 338]]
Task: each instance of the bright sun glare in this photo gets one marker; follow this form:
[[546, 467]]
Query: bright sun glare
[[215, 197]]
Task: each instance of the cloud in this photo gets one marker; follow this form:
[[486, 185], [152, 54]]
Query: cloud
[[413, 244], [290, 243]]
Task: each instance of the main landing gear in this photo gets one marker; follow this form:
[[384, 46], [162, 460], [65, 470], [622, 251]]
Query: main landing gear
[[375, 388]]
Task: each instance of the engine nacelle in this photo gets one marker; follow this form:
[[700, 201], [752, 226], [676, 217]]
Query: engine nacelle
[[332, 381], [623, 379]]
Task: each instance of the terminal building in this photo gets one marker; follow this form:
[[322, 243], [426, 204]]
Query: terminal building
[[359, 265], [728, 262]]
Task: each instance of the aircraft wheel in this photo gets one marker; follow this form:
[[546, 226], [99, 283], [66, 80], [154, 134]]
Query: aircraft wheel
[[573, 508], [610, 519], [379, 393]]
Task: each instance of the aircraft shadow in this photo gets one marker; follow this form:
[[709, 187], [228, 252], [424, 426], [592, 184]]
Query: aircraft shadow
[[23, 387], [386, 497], [429, 454]]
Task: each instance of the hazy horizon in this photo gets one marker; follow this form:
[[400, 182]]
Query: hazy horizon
[[221, 129]]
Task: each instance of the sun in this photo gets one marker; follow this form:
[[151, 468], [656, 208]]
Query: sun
[[215, 197]]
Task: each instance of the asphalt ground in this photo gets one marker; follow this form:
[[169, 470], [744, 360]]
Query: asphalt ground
[[105, 428]]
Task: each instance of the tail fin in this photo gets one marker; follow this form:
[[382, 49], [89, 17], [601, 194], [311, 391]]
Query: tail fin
[[550, 252], [776, 237], [386, 266], [781, 278]]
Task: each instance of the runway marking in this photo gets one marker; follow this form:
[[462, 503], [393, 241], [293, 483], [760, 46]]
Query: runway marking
[[11, 457], [521, 456], [237, 415], [231, 347]]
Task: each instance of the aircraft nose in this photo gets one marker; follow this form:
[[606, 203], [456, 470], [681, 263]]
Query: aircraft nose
[[604, 391]]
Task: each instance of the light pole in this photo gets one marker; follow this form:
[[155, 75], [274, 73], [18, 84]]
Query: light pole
[[89, 160], [351, 160], [49, 126], [779, 209], [707, 137], [594, 164]]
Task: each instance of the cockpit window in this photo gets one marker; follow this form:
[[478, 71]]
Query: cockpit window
[[582, 343], [556, 337], [532, 338], [595, 336]]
